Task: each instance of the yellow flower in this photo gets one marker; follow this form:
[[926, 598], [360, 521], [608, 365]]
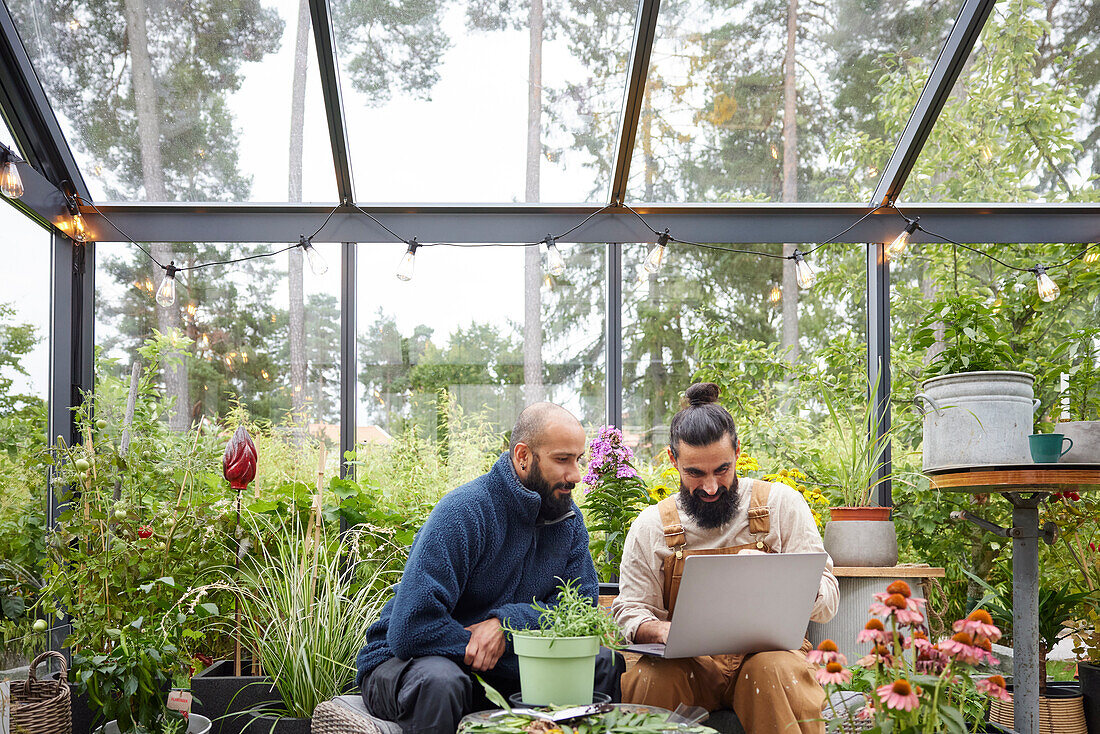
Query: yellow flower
[[746, 463]]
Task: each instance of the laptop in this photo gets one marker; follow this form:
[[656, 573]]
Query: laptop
[[741, 604]]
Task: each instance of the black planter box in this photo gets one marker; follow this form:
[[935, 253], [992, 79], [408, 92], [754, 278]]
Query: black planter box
[[83, 716], [222, 697], [1089, 675], [275, 725]]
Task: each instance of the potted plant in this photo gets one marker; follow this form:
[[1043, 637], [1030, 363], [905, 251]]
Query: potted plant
[[297, 589], [911, 685], [859, 533], [557, 661], [974, 411]]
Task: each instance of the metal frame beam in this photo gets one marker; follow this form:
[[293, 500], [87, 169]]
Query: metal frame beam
[[324, 36], [349, 368], [613, 335], [645, 33], [730, 223], [41, 200], [956, 50], [27, 111], [70, 372]]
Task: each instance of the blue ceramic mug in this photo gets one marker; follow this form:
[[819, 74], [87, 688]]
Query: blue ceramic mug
[[1046, 448]]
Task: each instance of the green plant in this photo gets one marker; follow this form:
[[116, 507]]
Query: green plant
[[913, 686], [573, 615], [610, 721], [304, 601], [850, 465], [130, 683], [614, 497], [973, 337]]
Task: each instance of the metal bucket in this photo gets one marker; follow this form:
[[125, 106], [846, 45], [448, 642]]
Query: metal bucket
[[977, 418]]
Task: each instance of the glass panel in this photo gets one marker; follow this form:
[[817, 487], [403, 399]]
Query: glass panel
[[437, 99], [24, 391], [714, 125], [442, 364], [7, 139], [236, 321], [938, 295], [188, 102], [1022, 122], [716, 316]]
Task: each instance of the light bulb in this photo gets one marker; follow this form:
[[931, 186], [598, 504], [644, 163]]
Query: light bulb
[[775, 296], [317, 263], [408, 261], [554, 259], [11, 185], [1048, 289], [804, 274], [656, 256], [897, 247], [79, 229], [166, 294]]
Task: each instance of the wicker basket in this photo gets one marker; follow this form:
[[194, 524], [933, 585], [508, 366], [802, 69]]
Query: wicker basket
[[1056, 715], [42, 707]]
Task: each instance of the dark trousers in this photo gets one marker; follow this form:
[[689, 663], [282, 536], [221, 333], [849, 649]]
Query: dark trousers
[[430, 695]]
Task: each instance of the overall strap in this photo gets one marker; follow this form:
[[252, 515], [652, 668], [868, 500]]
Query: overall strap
[[759, 517], [676, 539]]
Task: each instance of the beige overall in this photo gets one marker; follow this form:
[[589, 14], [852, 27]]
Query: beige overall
[[772, 692]]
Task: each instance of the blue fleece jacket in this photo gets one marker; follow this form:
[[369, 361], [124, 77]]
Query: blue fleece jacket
[[479, 555]]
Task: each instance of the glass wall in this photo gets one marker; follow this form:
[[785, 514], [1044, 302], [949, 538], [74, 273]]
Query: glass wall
[[24, 392], [211, 101], [714, 315], [745, 102], [448, 359], [227, 350]]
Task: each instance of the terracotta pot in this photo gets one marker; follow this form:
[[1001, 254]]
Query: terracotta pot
[[860, 513], [861, 536]]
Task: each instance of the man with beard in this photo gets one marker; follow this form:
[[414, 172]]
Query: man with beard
[[716, 512], [487, 551]]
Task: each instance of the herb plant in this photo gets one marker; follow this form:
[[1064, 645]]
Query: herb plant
[[573, 615], [973, 338]]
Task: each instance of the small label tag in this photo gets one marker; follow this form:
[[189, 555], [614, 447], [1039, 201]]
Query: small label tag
[[180, 700]]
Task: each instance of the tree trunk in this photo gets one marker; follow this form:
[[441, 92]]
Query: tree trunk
[[297, 314], [532, 262], [657, 378], [790, 182], [174, 367]]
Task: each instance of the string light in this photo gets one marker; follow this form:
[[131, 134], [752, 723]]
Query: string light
[[896, 248], [11, 185], [804, 274], [408, 262], [166, 294], [77, 230], [317, 263], [554, 260], [1048, 289], [775, 296], [656, 256]]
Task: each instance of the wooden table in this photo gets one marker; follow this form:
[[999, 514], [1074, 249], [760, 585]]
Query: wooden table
[[1025, 486]]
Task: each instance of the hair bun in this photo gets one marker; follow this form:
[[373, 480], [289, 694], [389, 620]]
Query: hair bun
[[702, 393]]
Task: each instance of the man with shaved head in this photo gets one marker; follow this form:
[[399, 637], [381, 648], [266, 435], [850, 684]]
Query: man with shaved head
[[488, 551]]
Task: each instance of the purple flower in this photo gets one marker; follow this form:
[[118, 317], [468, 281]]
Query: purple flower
[[626, 472]]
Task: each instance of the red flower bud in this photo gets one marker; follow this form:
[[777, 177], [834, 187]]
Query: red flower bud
[[239, 462], [145, 532]]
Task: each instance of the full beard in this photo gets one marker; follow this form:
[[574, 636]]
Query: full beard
[[710, 515], [552, 506]]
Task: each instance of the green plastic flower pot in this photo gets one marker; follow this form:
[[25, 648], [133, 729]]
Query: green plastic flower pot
[[559, 671]]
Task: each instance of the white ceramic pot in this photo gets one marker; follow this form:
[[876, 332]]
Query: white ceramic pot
[[1086, 441], [196, 724]]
